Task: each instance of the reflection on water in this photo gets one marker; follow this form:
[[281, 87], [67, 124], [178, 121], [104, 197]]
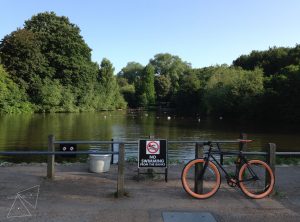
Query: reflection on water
[[29, 132]]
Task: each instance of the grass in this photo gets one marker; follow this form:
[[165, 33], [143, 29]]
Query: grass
[[132, 159], [288, 161], [294, 161]]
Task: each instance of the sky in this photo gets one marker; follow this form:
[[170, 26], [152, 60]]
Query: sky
[[202, 32]]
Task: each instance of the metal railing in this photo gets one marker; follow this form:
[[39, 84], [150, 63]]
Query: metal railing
[[199, 144]]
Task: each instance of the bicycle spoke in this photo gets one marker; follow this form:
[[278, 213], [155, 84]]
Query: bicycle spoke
[[253, 179], [202, 184]]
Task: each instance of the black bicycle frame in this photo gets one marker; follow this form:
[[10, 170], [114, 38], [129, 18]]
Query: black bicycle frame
[[240, 156]]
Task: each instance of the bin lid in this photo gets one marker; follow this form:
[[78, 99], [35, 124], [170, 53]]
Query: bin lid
[[100, 155]]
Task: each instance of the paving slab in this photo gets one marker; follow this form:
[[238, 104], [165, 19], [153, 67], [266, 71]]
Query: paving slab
[[188, 217], [76, 195]]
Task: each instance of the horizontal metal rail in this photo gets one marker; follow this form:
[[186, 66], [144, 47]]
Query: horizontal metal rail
[[225, 153], [234, 153], [136, 142], [95, 142], [5, 153], [287, 153], [203, 141]]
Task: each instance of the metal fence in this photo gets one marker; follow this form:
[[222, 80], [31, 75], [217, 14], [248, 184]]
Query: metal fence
[[270, 153]]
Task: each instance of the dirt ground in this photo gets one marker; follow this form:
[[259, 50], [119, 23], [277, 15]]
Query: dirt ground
[[77, 195]]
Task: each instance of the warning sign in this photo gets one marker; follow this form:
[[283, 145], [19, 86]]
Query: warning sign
[[152, 153], [152, 147]]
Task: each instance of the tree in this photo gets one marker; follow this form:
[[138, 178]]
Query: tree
[[271, 61], [145, 90], [49, 95], [148, 80], [21, 55], [171, 66], [131, 71], [51, 47], [109, 87], [64, 48], [162, 88], [281, 98], [128, 91], [190, 94], [12, 99], [234, 92]]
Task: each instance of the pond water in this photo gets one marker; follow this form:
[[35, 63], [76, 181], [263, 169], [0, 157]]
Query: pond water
[[30, 132]]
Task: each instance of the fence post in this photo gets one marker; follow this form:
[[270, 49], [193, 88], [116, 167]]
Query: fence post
[[198, 167], [51, 158], [243, 146], [271, 160], [121, 166], [112, 150]]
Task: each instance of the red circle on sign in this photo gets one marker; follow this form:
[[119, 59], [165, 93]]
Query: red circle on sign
[[152, 147]]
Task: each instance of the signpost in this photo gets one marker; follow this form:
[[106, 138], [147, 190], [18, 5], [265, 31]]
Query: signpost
[[153, 153]]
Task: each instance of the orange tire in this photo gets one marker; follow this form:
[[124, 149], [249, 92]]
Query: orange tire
[[258, 188], [211, 179]]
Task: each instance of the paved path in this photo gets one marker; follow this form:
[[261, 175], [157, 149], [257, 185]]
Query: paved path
[[76, 195]]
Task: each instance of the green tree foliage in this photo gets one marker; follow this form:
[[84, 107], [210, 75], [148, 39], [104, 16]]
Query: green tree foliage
[[162, 88], [190, 94], [12, 99], [64, 48], [49, 55], [171, 66], [145, 90], [281, 70], [233, 91], [127, 78], [128, 91], [21, 55], [49, 95], [271, 61], [281, 99], [111, 95], [131, 71]]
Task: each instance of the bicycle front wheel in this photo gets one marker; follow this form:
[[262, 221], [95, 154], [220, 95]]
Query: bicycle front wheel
[[256, 179], [210, 177]]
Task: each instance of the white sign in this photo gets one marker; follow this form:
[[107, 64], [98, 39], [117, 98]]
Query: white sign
[[153, 147]]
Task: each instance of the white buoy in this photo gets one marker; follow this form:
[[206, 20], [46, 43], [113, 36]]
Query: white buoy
[[104, 117], [199, 120], [169, 117], [221, 117]]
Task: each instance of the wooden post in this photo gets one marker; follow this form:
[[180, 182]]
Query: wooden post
[[51, 158], [112, 150], [121, 166], [271, 160], [198, 167], [243, 146], [151, 137], [150, 171]]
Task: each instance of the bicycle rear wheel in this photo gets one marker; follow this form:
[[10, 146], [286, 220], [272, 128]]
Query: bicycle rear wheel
[[211, 179], [256, 179]]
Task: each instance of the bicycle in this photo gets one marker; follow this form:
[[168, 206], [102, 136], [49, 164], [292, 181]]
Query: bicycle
[[254, 177]]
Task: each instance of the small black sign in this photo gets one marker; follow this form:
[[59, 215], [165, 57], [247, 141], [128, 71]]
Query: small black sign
[[152, 153], [68, 148]]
